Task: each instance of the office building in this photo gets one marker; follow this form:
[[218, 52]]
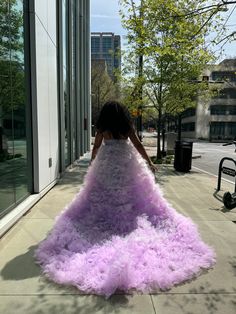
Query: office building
[[45, 98], [215, 119], [107, 46]]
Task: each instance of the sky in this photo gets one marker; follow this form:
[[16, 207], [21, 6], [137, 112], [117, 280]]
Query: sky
[[105, 18]]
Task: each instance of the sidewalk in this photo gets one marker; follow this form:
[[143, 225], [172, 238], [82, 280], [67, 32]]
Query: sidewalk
[[24, 291]]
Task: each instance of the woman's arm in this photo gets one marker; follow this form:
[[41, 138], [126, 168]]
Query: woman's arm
[[97, 144], [139, 146]]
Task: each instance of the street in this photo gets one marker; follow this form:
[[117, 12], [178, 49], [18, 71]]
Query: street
[[206, 156], [211, 154]]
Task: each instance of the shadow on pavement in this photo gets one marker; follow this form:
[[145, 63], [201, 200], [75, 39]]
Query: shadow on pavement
[[166, 172], [40, 304], [210, 301], [21, 267]]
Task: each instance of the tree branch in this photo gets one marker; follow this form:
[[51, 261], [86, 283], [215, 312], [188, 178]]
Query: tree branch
[[207, 9], [226, 38]]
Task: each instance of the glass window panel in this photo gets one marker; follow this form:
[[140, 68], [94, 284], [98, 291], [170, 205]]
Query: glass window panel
[[13, 146], [188, 127], [218, 128], [65, 80], [218, 109], [224, 76], [232, 129], [232, 111], [73, 65], [66, 115]]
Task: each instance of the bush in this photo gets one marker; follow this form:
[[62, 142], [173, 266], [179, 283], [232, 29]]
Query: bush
[[164, 160]]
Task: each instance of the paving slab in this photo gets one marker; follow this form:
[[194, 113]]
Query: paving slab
[[194, 303], [221, 236], [24, 290], [70, 304], [49, 209], [195, 194], [20, 272], [26, 233]]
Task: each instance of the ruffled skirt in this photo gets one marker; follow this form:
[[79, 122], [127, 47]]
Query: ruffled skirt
[[119, 232]]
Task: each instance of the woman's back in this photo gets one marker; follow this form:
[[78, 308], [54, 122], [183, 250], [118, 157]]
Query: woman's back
[[108, 136]]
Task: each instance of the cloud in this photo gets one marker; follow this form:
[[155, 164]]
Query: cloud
[[103, 16]]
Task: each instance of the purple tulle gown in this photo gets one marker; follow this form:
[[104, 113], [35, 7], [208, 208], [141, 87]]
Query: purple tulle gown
[[119, 233]]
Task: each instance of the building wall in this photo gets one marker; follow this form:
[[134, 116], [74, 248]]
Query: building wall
[[74, 80], [209, 124], [52, 114], [59, 142], [106, 46], [45, 104], [189, 123], [202, 121]]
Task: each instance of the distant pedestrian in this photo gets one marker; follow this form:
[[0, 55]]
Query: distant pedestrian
[[119, 233]]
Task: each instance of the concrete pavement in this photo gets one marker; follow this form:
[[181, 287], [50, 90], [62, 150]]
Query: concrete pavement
[[24, 290]]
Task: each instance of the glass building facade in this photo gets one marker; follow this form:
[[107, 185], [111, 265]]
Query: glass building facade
[[15, 157], [44, 98], [74, 49], [106, 46]]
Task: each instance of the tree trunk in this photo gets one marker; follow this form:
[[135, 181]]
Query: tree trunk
[[163, 141], [159, 135]]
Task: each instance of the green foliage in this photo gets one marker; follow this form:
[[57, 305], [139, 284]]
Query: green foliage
[[163, 160], [103, 88], [173, 49], [12, 79], [10, 28], [170, 35]]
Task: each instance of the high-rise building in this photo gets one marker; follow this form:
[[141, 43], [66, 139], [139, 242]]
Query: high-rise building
[[45, 98], [107, 46]]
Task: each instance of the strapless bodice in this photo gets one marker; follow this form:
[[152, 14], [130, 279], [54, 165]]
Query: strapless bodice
[[115, 141]]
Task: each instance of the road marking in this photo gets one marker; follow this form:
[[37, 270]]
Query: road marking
[[207, 150], [213, 174]]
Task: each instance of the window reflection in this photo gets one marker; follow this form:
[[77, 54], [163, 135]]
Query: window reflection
[[65, 78], [73, 69], [13, 147]]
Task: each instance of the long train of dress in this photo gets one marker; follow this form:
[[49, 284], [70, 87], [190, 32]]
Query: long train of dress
[[119, 232]]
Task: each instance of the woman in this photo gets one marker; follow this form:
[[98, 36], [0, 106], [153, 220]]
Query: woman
[[115, 123], [119, 233]]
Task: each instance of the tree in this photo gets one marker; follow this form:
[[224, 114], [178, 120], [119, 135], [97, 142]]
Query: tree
[[102, 87], [11, 57], [12, 76], [173, 50]]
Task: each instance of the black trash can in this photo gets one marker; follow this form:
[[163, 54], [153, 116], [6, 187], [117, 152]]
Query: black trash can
[[183, 156]]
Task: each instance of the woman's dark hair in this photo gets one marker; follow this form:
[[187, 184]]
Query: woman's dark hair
[[114, 118]]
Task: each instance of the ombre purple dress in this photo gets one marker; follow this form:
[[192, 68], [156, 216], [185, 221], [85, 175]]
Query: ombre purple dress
[[119, 233]]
